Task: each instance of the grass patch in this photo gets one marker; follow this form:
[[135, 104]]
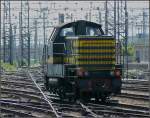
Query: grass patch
[[8, 67]]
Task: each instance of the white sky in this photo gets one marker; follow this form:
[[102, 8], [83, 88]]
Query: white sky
[[71, 5], [138, 4]]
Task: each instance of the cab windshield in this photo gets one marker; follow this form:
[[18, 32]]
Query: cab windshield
[[92, 31], [69, 31]]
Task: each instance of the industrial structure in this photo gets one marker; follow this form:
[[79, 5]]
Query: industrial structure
[[22, 44]]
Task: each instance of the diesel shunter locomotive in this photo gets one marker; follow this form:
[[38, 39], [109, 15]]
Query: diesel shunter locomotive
[[80, 62]]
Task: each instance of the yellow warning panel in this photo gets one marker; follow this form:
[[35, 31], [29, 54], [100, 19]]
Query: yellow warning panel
[[50, 60]]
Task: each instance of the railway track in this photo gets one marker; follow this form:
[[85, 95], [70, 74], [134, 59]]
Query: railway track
[[134, 96], [25, 108], [17, 92], [59, 110], [130, 88], [135, 89], [136, 82], [36, 102], [92, 112], [122, 110]]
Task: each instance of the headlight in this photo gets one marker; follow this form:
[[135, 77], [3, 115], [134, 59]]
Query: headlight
[[80, 71], [86, 73], [112, 73], [117, 73]]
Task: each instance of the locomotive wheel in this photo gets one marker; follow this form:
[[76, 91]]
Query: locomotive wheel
[[96, 98], [46, 83], [74, 97], [71, 99], [62, 93], [85, 96], [77, 94], [104, 99]]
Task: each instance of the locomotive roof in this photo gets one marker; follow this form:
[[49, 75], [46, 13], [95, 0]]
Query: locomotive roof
[[84, 21], [79, 28]]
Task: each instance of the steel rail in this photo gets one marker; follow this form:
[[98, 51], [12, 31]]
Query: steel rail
[[119, 105], [24, 102], [26, 107], [32, 105], [22, 91], [117, 110], [20, 82], [88, 110], [14, 76], [135, 89], [23, 95], [120, 113], [46, 99], [19, 86], [134, 96], [139, 88], [15, 112]]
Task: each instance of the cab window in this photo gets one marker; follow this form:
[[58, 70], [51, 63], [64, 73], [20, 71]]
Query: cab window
[[67, 32], [93, 31]]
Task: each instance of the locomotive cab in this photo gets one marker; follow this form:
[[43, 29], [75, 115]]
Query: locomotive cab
[[81, 62]]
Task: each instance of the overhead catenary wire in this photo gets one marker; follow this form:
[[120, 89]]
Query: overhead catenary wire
[[52, 21], [0, 44]]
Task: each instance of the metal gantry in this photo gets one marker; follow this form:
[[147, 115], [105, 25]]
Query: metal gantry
[[24, 34], [126, 39], [122, 34], [116, 24], [7, 34], [110, 18], [35, 43], [0, 37], [15, 49], [114, 15], [106, 17]]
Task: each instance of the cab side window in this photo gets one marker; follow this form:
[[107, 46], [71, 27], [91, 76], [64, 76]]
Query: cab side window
[[93, 31], [67, 32]]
